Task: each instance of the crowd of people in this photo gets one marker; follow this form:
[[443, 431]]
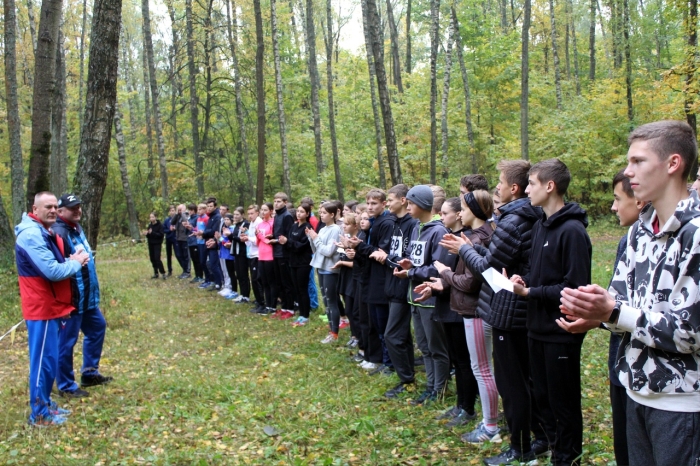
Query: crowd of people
[[495, 288]]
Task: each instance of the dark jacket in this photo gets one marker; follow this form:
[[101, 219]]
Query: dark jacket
[[181, 233], [360, 266], [379, 238], [298, 245], [191, 238], [281, 227], [213, 225], [169, 235], [156, 235], [462, 286], [443, 310], [561, 258], [424, 249], [238, 247], [396, 289], [346, 284], [509, 249]]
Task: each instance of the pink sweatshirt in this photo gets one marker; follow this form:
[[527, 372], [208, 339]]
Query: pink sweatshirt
[[264, 246]]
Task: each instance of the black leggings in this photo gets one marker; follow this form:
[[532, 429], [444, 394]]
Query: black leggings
[[154, 256], [241, 266], [329, 285], [467, 387], [266, 273], [255, 277], [352, 314], [231, 270], [169, 246], [300, 277], [194, 255]]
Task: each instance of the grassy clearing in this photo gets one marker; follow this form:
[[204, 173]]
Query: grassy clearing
[[200, 380]]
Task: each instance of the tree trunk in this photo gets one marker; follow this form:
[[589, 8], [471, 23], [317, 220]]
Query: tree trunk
[[59, 130], [194, 111], [434, 40], [591, 43], [315, 85], [394, 36], [32, 23], [628, 60], [174, 78], [148, 42], [260, 91], [445, 97], [691, 21], [408, 37], [44, 88], [7, 237], [373, 95], [286, 183], [525, 83], [331, 104], [101, 99], [467, 96], [384, 99], [207, 79], [240, 118], [572, 30], [13, 123], [121, 151], [149, 130], [81, 79], [555, 55]]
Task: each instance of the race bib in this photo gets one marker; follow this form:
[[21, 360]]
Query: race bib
[[418, 253], [396, 248]]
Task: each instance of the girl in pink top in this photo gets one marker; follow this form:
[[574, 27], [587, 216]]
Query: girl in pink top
[[266, 269]]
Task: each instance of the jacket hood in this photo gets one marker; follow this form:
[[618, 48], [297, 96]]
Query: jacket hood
[[521, 207], [686, 210], [27, 223], [570, 211], [484, 232]]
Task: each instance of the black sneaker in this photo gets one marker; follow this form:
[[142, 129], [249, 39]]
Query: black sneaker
[[77, 393], [358, 357], [378, 369], [510, 456], [540, 448], [93, 380], [462, 418], [155, 276], [399, 389], [449, 414], [425, 398]]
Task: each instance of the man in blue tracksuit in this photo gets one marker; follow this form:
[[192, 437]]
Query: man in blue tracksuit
[[87, 315]]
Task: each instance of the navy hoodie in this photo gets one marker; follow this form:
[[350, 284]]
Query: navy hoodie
[[424, 249], [560, 258], [213, 225], [379, 237], [396, 288], [281, 227]]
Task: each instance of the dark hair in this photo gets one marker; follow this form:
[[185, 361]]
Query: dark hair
[[668, 137], [308, 200], [191, 206], [515, 172], [474, 182], [626, 186], [172, 206], [269, 206], [211, 200], [400, 190], [454, 204], [307, 208], [282, 196], [553, 170], [332, 208], [351, 205], [376, 193], [225, 206], [240, 210]]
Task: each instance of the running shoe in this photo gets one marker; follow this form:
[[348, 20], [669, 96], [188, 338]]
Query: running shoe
[[204, 285], [344, 323], [286, 314], [481, 435], [510, 456], [463, 417], [331, 338], [300, 322], [46, 421], [239, 299], [56, 411]]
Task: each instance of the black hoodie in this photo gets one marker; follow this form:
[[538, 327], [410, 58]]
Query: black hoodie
[[560, 258], [379, 237], [282, 225], [396, 288]]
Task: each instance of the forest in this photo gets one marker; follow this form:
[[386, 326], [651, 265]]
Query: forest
[[137, 105]]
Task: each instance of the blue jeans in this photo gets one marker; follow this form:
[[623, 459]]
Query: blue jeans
[[203, 263], [214, 266], [313, 292], [93, 325], [42, 336]]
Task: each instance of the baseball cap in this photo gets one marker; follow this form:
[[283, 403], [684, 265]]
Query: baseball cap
[[69, 200]]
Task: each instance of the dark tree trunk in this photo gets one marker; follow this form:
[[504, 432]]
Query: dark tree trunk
[[32, 23], [467, 96], [286, 183], [13, 123], [525, 83], [315, 85], [628, 58], [394, 36], [434, 39], [260, 91], [445, 97], [44, 88], [408, 37], [81, 79], [151, 179], [174, 78], [591, 43], [194, 111], [691, 67], [59, 130], [7, 237], [373, 95], [121, 151], [207, 80], [331, 104], [555, 55], [101, 99]]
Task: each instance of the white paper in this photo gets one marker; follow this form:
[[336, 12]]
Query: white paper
[[497, 281]]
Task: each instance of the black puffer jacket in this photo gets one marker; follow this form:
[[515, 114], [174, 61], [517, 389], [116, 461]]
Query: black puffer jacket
[[509, 249]]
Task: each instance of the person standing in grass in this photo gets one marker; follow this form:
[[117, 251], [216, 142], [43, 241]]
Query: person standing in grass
[[180, 222], [87, 316], [266, 269], [170, 238], [326, 255], [154, 237], [346, 286], [202, 220], [240, 255], [45, 295], [300, 260], [283, 274], [191, 226], [249, 236], [210, 236]]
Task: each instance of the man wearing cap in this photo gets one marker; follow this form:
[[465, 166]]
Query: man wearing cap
[[45, 293], [87, 315]]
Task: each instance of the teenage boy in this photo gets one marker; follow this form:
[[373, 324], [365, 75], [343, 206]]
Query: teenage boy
[[505, 315], [181, 221], [561, 258], [283, 274], [211, 244], [469, 183], [397, 335], [424, 249], [192, 243], [377, 246], [170, 237], [627, 208], [654, 299]]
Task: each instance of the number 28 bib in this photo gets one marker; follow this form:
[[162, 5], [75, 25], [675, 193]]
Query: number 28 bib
[[418, 253]]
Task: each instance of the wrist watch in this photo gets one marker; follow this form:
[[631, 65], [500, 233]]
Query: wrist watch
[[615, 314]]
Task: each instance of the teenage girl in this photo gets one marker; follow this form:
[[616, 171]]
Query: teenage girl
[[266, 269], [325, 257], [346, 286], [154, 237], [300, 260]]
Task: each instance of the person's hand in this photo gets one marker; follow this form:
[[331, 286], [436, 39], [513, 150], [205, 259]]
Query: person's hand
[[440, 266], [149, 231], [406, 264], [589, 302], [225, 231], [244, 238], [269, 236], [338, 264], [353, 242], [379, 256], [424, 292], [343, 242], [81, 257], [187, 225], [519, 286], [350, 253], [576, 325], [452, 242], [211, 242], [199, 233], [217, 235], [282, 239], [311, 234], [242, 229], [400, 273], [436, 284]]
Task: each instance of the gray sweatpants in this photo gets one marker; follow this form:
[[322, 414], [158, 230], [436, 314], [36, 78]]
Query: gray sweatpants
[[432, 342]]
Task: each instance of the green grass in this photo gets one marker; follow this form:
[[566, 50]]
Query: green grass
[[199, 379]]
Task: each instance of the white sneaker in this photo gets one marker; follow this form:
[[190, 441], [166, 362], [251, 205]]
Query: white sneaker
[[369, 366], [241, 299], [225, 292]]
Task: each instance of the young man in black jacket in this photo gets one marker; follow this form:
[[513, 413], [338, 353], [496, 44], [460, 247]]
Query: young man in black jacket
[[283, 274], [211, 236], [561, 258], [506, 312]]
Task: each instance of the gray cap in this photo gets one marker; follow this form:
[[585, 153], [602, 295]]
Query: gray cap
[[422, 196]]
